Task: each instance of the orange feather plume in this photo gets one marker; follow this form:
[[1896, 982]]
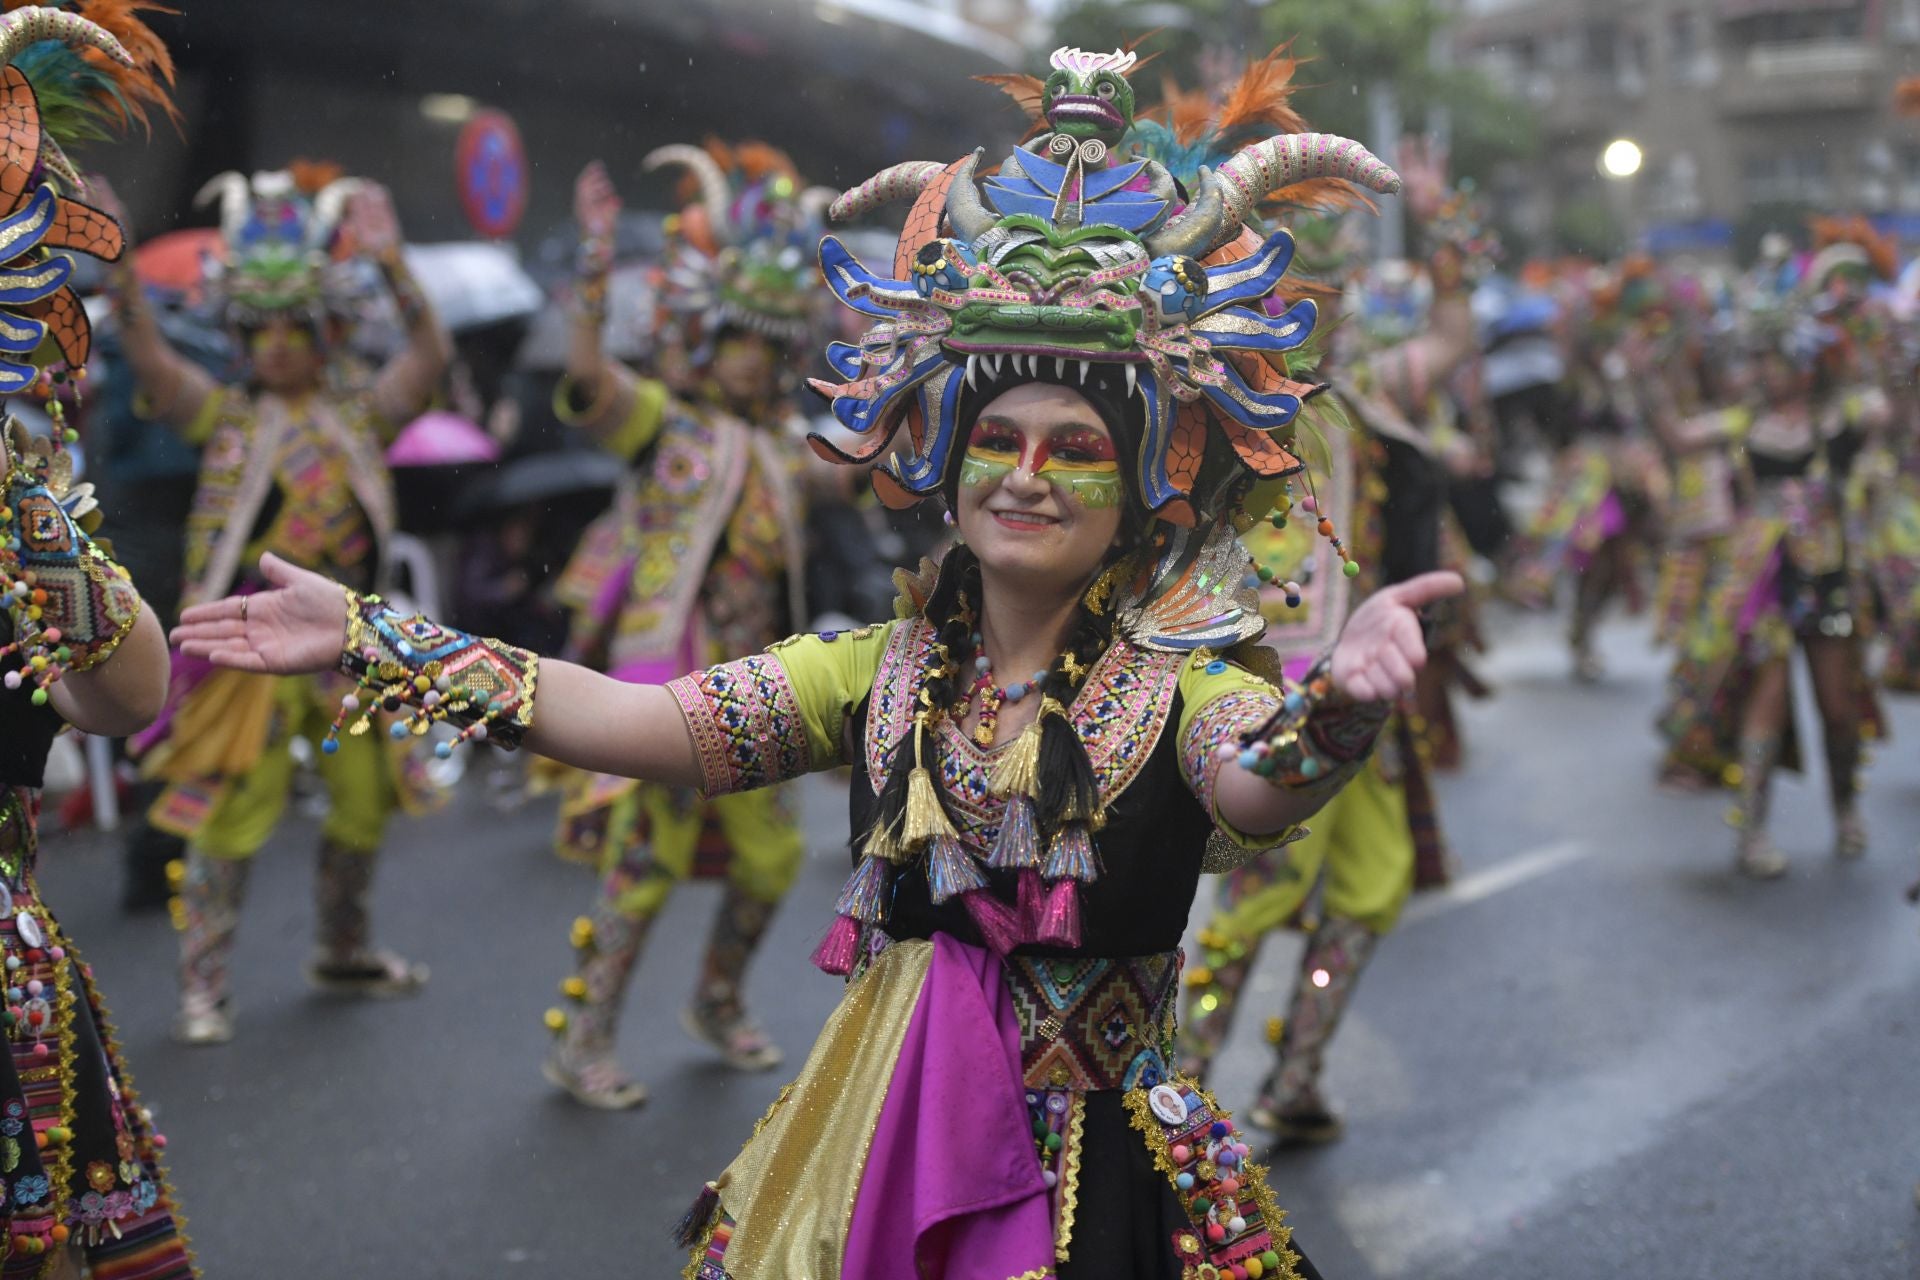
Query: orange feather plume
[[1906, 96], [146, 84]]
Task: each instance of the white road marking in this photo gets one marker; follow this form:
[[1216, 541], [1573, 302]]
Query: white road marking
[[1504, 875]]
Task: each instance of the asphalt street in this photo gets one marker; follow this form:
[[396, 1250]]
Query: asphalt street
[[1599, 1054]]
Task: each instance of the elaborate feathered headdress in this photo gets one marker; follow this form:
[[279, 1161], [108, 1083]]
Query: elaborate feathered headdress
[[1074, 258], [67, 79], [277, 229], [741, 251]]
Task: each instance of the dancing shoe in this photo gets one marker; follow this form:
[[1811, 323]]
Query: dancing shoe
[[737, 1038], [1757, 859], [596, 1081], [1306, 1121], [369, 974], [1850, 836], [202, 1020]]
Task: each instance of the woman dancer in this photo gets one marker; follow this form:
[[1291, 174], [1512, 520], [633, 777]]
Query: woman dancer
[[1046, 747]]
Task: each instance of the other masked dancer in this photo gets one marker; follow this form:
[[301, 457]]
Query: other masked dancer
[[1045, 745], [1794, 578], [291, 463], [1411, 372], [1383, 481], [699, 559], [81, 1185], [1608, 486]]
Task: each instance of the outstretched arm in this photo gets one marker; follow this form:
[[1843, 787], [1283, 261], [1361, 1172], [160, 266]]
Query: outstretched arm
[[1375, 661], [580, 717], [176, 388], [407, 383]]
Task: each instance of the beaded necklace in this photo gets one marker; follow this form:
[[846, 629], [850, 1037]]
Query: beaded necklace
[[992, 696]]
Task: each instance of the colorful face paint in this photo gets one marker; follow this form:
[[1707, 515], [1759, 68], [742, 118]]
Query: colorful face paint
[[1078, 462]]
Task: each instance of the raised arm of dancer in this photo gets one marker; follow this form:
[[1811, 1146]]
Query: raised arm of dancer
[[175, 389], [405, 386], [600, 395], [581, 718]]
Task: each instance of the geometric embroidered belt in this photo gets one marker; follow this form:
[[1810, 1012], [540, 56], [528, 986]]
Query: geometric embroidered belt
[[1088, 1023]]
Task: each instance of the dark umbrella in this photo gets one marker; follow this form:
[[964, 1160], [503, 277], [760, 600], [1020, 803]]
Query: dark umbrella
[[543, 479]]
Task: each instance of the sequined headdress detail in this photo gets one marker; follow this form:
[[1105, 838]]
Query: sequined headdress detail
[[741, 246], [1073, 258], [277, 230]]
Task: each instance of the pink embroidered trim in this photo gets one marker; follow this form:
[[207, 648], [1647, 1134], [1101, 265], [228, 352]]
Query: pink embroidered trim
[[1226, 719], [746, 724]]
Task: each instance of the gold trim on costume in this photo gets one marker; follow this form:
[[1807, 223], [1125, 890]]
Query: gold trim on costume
[[1070, 1177], [791, 1192]]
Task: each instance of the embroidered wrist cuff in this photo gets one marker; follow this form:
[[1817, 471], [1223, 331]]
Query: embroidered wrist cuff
[[425, 674], [1315, 741], [68, 603]]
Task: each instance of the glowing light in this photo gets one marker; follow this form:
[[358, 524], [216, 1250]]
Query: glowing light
[[448, 108], [1321, 978], [1622, 158], [1209, 1002]]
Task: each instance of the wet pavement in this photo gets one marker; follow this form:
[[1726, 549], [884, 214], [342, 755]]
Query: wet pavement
[[1599, 1054]]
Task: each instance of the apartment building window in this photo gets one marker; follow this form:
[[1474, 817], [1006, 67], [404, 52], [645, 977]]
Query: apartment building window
[[1786, 176], [1690, 57]]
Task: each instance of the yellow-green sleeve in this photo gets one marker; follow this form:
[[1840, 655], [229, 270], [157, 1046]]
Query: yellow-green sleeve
[[626, 438], [1220, 703], [780, 714], [199, 428]]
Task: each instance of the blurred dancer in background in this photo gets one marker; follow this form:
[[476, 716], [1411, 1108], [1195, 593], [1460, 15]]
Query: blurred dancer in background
[[291, 463], [699, 558]]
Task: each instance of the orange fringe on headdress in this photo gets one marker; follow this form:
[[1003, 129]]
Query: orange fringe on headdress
[[146, 84], [310, 177], [1856, 230]]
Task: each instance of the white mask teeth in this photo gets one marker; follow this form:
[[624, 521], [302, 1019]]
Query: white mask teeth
[[1084, 367], [1132, 380], [973, 368], [1060, 368]]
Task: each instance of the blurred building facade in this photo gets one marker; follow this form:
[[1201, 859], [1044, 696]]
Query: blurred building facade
[[845, 86], [1739, 106]]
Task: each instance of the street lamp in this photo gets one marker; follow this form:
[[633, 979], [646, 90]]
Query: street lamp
[[1622, 158]]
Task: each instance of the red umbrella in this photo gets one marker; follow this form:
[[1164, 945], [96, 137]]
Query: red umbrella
[[177, 260]]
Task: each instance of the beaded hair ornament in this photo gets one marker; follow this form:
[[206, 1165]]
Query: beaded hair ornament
[[1075, 260], [67, 74]]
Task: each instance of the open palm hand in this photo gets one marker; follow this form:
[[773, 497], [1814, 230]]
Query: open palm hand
[[1381, 651], [297, 627]]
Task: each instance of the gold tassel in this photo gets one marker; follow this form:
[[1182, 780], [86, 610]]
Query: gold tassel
[[925, 817], [883, 844], [1017, 773]]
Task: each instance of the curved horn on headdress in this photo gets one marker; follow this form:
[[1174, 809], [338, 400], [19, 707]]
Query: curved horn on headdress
[[967, 212], [1227, 198], [34, 23], [715, 192], [329, 203], [895, 182], [236, 200]]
